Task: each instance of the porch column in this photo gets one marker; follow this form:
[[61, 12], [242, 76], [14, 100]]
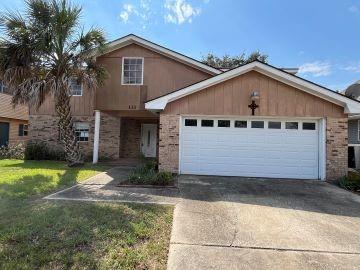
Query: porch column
[[96, 137]]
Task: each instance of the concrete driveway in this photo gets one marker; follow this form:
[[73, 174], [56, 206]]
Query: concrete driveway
[[242, 223]]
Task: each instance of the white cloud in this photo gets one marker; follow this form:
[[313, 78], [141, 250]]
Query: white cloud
[[124, 16], [180, 11], [141, 11], [316, 69], [352, 67], [354, 9]]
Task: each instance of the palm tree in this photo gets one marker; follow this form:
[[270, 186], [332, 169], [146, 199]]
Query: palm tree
[[42, 51]]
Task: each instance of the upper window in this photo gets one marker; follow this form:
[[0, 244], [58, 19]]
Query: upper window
[[23, 130], [240, 124], [291, 125], [81, 131], [223, 123], [274, 125], [309, 126], [76, 88], [207, 123], [133, 71], [257, 124], [190, 122]]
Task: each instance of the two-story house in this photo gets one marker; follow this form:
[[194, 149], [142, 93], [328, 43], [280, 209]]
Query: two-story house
[[255, 120], [13, 120]]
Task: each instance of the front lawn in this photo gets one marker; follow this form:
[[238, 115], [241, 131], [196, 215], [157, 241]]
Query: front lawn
[[38, 234]]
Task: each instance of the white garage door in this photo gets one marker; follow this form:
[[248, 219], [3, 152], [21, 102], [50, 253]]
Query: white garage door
[[255, 148]]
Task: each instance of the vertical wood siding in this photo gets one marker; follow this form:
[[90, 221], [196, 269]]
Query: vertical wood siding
[[8, 111], [161, 76], [232, 97]]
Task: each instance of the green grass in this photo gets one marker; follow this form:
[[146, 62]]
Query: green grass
[[38, 234]]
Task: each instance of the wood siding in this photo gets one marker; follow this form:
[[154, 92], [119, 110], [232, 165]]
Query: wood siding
[[232, 97], [14, 137], [161, 76], [80, 106], [8, 111]]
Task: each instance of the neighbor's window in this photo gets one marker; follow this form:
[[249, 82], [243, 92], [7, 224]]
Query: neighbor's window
[[257, 124], [190, 122], [207, 123], [23, 130], [81, 131], [133, 70], [2, 87], [223, 123], [76, 88], [291, 125], [240, 124]]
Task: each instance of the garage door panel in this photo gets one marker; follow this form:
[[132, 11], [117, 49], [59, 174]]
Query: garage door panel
[[249, 152]]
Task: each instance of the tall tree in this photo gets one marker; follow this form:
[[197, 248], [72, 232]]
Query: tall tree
[[42, 51], [228, 61]]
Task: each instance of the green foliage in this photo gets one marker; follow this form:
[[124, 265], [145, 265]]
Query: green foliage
[[38, 150], [351, 182], [147, 174], [12, 151], [40, 234], [229, 62]]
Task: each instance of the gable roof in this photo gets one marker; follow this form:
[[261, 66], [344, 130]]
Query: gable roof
[[133, 39], [350, 106]]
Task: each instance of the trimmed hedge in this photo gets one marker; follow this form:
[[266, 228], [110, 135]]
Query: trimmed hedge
[[38, 150]]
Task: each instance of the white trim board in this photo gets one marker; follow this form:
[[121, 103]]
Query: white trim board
[[130, 39], [350, 106]]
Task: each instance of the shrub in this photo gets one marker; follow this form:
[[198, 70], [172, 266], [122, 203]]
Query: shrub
[[351, 182], [12, 151], [146, 174], [164, 178], [38, 150]]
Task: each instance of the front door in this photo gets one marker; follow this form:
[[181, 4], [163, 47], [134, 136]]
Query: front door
[[148, 139], [4, 133]]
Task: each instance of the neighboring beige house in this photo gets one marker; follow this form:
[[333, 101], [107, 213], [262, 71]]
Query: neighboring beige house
[[13, 120], [255, 120]]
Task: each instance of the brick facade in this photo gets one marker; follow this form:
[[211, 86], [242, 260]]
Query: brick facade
[[169, 143], [336, 148], [45, 128], [336, 145]]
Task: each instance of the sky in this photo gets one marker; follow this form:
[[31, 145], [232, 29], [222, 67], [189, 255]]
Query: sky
[[321, 38]]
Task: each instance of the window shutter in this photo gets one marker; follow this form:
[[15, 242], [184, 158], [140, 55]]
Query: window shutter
[[21, 129]]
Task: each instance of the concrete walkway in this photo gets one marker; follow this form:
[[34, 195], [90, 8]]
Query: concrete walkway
[[104, 187], [242, 223]]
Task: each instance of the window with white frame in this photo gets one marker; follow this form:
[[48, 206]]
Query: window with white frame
[[76, 87], [81, 131], [133, 71], [23, 130]]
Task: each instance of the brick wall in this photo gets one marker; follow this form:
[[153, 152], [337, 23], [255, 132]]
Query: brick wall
[[109, 136], [336, 148], [169, 143], [45, 128]]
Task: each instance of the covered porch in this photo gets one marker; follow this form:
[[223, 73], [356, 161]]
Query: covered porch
[[125, 136]]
